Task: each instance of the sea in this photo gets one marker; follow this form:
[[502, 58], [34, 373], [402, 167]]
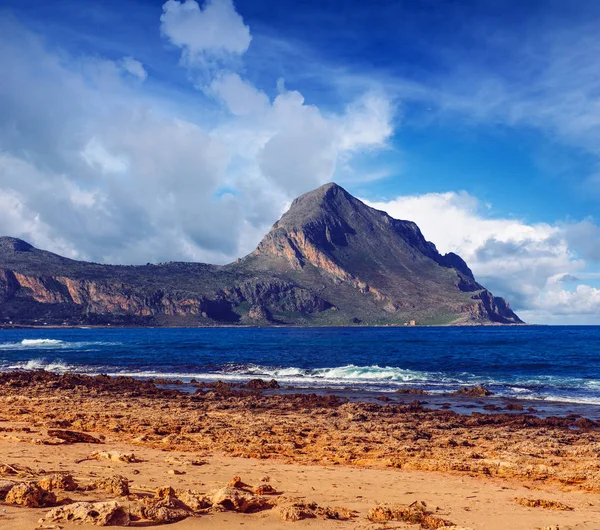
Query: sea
[[551, 370]]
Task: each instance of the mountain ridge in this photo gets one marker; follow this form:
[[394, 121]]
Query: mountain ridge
[[329, 260]]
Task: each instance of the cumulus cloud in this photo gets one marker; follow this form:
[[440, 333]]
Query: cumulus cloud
[[285, 142], [294, 145], [210, 32], [367, 122], [134, 67], [97, 167], [240, 97], [95, 172], [529, 263]]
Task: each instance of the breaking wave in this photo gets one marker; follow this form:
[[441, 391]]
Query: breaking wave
[[41, 342], [359, 377], [41, 364], [48, 344], [349, 372]]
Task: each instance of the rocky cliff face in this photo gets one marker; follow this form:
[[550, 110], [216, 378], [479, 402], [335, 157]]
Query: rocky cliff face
[[330, 260]]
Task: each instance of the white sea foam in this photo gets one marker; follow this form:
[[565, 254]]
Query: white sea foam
[[369, 378], [41, 364], [41, 342], [350, 375], [48, 344], [349, 372]]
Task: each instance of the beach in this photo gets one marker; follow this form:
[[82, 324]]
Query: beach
[[329, 463]]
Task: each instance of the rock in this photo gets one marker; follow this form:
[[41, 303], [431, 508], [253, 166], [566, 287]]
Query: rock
[[170, 506], [115, 456], [163, 492], [116, 485], [412, 391], [264, 489], [259, 312], [109, 513], [5, 487], [261, 384], [514, 406], [236, 482], [73, 437], [31, 495], [237, 500], [58, 481], [473, 391], [294, 509], [175, 472], [165, 511], [415, 513], [194, 500], [542, 503], [337, 513]]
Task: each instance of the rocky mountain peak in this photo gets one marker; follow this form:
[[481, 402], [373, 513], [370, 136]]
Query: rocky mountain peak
[[13, 244], [335, 233], [326, 203], [330, 260]]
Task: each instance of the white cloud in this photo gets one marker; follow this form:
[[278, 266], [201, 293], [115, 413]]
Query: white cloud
[[96, 156], [521, 261], [134, 67], [98, 169], [240, 97], [205, 33], [294, 145], [104, 169], [285, 143], [367, 122]]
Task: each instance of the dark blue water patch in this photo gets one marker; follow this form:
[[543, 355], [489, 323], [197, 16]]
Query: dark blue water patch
[[531, 363]]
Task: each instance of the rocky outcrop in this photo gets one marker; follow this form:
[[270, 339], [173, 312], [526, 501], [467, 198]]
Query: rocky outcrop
[[109, 513], [31, 495], [329, 260], [415, 513]]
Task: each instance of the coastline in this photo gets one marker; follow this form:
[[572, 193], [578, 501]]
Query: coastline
[[405, 452], [274, 326]]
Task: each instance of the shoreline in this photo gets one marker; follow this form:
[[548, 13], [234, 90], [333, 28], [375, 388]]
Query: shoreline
[[466, 399], [458, 401], [303, 440], [280, 326]]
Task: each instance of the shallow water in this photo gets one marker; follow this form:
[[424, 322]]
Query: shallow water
[[551, 364]]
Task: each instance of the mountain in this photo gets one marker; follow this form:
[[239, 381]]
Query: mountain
[[329, 260]]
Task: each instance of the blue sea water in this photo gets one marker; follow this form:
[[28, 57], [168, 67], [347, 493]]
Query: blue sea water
[[559, 364]]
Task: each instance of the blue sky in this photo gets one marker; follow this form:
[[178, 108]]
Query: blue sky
[[137, 131]]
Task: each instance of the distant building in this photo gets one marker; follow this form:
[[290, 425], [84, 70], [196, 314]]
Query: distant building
[[412, 323]]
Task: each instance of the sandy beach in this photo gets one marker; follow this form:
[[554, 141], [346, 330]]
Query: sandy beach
[[228, 457]]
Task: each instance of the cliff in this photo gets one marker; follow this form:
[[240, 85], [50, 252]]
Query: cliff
[[330, 260]]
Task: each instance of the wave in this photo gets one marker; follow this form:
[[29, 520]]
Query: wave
[[48, 344], [349, 372], [41, 342], [41, 364], [349, 375]]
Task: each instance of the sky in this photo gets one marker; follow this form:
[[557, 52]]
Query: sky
[[142, 131]]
